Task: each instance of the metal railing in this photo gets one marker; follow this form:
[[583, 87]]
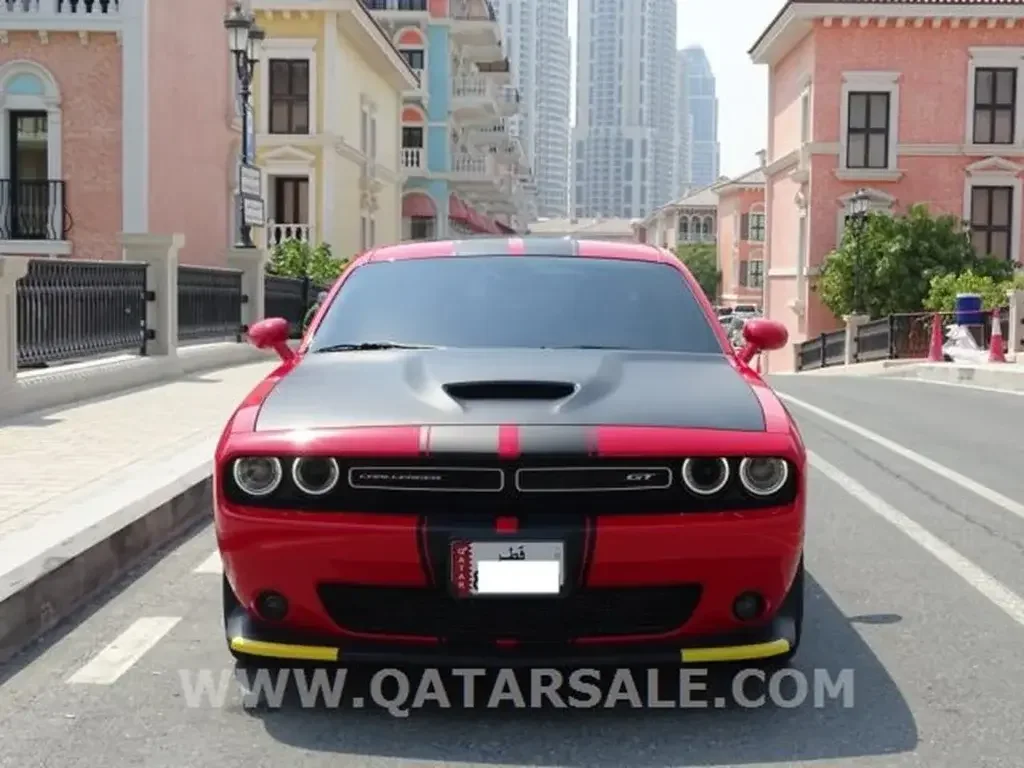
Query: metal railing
[[903, 336], [396, 5], [291, 298], [33, 210], [73, 309], [209, 303], [822, 351]]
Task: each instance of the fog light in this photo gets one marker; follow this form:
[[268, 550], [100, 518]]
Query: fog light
[[748, 606], [271, 606]]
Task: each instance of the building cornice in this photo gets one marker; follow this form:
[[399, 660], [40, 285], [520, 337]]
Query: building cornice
[[797, 18]]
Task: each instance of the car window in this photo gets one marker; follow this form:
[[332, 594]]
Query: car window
[[518, 301]]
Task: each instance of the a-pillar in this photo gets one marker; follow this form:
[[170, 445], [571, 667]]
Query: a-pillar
[[160, 254]]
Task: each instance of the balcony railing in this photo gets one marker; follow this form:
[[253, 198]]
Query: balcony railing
[[280, 233], [33, 210], [473, 87], [472, 10], [471, 164], [396, 5], [412, 158], [39, 10]]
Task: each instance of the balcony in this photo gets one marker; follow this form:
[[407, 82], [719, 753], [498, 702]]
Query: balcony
[[398, 10], [61, 15], [474, 98], [277, 234], [475, 29], [414, 160], [508, 99], [497, 70], [33, 218]]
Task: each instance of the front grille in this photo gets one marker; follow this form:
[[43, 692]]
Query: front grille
[[605, 612], [469, 486]]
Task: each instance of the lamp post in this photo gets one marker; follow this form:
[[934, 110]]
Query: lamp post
[[244, 40], [857, 210]]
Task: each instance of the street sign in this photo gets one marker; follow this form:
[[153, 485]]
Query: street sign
[[253, 212], [250, 181]]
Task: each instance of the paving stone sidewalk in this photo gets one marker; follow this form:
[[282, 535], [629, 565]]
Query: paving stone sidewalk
[[46, 457]]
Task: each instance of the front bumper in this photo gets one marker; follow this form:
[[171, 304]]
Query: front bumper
[[248, 638]]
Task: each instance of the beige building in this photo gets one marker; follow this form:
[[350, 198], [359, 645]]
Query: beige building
[[586, 229]]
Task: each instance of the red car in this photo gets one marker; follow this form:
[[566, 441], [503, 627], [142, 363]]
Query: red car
[[503, 452]]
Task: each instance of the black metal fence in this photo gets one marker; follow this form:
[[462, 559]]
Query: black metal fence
[[903, 336], [290, 298], [209, 304], [73, 309]]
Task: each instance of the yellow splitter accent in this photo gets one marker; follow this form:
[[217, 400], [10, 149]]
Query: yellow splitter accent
[[735, 652], [283, 650]]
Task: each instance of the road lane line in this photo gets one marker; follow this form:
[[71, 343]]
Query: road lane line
[[993, 589], [212, 564], [1011, 506], [118, 657], [977, 387]]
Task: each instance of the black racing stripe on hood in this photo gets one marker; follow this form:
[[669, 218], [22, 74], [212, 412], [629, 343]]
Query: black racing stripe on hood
[[566, 440], [462, 439]]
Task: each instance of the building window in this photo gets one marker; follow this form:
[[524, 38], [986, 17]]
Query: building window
[[684, 229], [414, 57], [421, 228], [995, 105], [289, 96], [992, 221], [755, 231], [755, 274], [867, 133]]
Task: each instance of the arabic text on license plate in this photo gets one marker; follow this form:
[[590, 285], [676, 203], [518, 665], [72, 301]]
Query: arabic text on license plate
[[516, 568]]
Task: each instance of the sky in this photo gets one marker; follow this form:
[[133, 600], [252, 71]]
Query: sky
[[742, 86]]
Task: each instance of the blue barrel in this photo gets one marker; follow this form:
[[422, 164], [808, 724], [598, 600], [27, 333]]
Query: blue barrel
[[968, 309]]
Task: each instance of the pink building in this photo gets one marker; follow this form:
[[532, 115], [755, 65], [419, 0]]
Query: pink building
[[741, 238], [917, 102], [115, 116]]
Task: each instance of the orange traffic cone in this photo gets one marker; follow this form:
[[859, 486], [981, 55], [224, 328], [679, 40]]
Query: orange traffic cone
[[996, 350], [935, 348]]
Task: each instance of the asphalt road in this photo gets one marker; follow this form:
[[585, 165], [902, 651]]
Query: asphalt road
[[915, 554]]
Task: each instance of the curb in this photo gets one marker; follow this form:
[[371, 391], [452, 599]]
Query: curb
[[952, 373], [53, 573]]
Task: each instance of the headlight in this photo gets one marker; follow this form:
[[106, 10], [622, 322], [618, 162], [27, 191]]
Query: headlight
[[763, 476], [315, 475], [705, 477], [258, 475]]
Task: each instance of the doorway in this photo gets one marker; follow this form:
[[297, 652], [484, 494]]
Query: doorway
[[28, 194]]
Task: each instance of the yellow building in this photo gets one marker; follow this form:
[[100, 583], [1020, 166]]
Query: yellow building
[[327, 97]]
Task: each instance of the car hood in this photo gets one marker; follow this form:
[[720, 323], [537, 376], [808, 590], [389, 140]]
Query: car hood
[[511, 386]]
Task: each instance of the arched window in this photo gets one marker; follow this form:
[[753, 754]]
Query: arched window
[[684, 229], [30, 154]]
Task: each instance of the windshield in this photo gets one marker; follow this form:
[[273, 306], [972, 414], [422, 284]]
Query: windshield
[[517, 301]]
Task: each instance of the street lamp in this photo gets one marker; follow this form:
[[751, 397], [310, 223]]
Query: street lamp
[[244, 40], [857, 210]]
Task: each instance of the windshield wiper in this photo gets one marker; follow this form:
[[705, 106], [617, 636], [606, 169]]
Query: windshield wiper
[[372, 345]]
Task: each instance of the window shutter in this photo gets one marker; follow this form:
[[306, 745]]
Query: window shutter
[[745, 226], [744, 270]]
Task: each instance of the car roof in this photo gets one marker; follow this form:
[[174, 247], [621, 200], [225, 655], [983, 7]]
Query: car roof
[[526, 245]]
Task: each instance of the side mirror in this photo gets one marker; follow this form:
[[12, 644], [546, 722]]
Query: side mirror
[[762, 335], [272, 333]]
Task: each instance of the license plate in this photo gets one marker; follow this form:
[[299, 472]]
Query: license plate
[[502, 568]]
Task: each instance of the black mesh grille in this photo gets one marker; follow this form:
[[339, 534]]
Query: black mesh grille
[[433, 612]]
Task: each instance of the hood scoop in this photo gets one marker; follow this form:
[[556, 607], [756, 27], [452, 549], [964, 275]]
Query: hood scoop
[[510, 390]]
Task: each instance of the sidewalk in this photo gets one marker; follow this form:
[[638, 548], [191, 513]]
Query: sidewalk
[[49, 459], [89, 490]]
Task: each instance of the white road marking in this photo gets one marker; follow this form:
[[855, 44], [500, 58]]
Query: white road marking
[[998, 593], [960, 386], [212, 564], [130, 646], [1011, 506]]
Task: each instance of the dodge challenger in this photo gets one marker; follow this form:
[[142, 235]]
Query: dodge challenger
[[504, 452]]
